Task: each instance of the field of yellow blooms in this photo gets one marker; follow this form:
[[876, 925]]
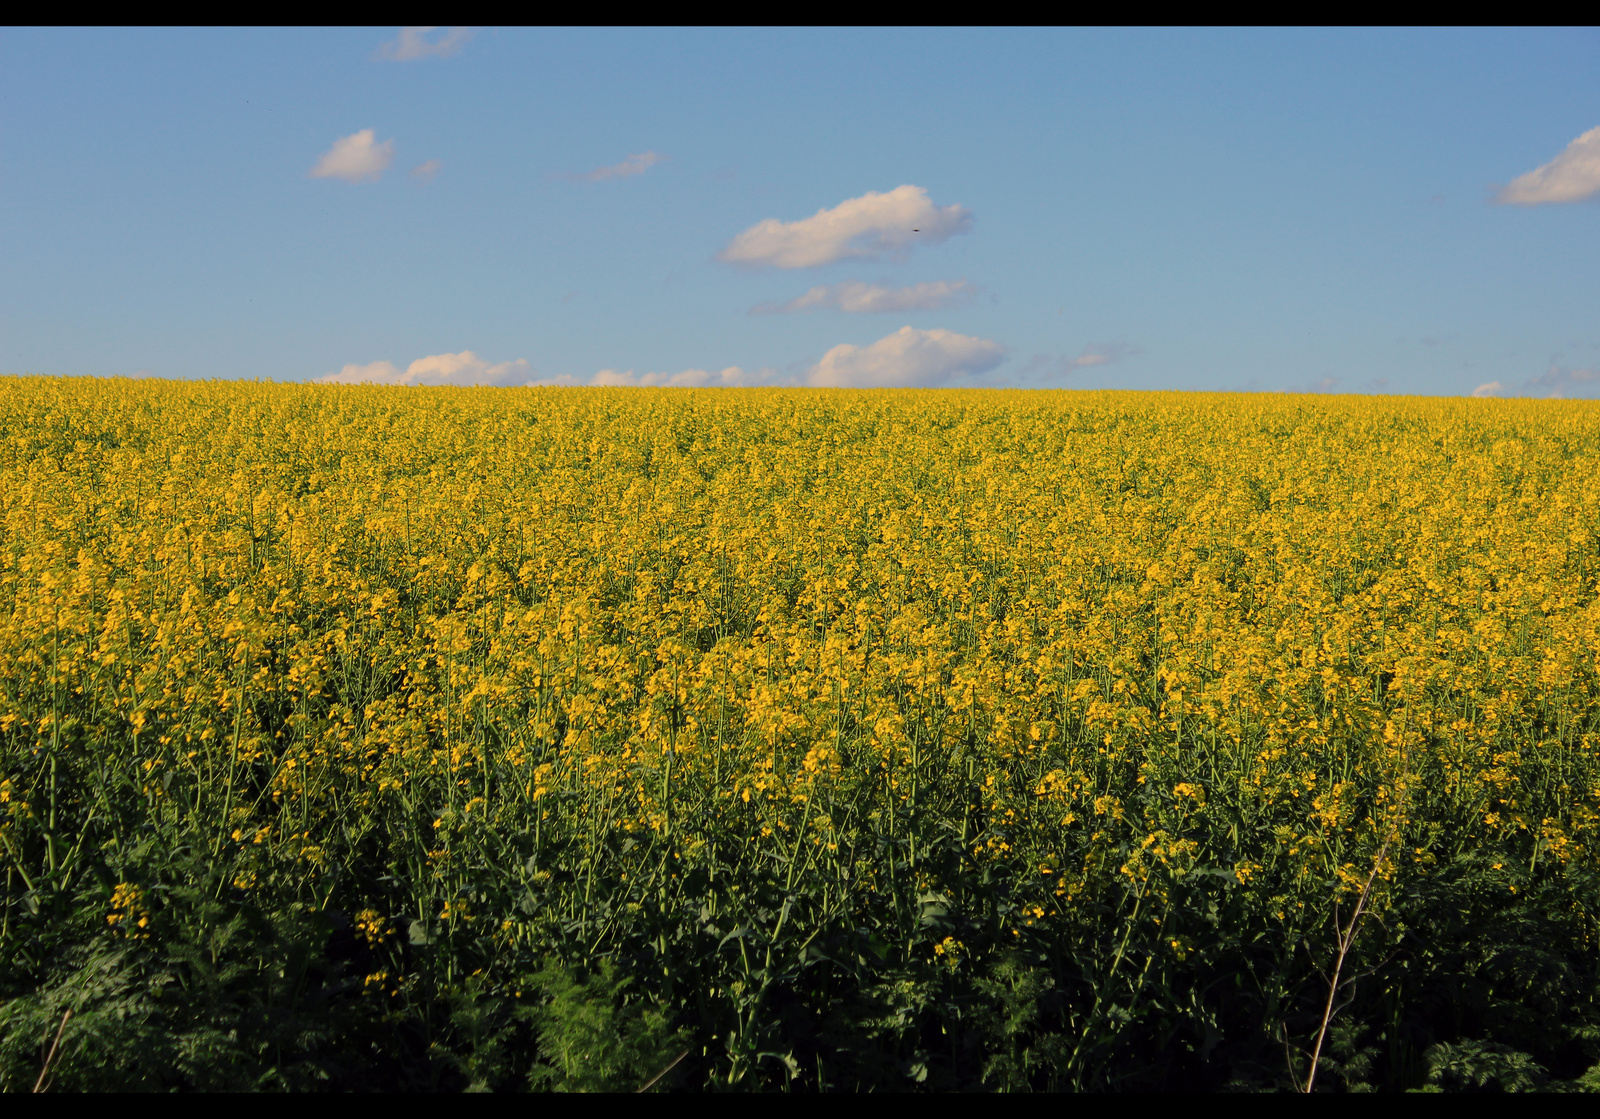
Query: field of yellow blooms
[[371, 737]]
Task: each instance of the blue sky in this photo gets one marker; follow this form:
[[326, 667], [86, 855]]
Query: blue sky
[[1411, 211]]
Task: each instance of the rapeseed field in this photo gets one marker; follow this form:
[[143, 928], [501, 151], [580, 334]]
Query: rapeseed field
[[808, 739]]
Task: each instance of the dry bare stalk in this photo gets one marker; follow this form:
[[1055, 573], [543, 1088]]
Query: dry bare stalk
[[1347, 939], [651, 1083], [38, 1085]]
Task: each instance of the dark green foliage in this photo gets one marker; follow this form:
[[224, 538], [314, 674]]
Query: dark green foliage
[[1471, 977], [591, 1040], [1482, 1066]]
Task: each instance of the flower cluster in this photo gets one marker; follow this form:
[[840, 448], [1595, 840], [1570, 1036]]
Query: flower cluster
[[543, 655]]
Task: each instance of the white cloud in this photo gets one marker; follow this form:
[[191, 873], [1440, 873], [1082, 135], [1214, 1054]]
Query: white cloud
[[465, 368], [1571, 176], [689, 378], [1493, 388], [858, 228], [354, 158], [414, 43], [634, 165], [907, 357], [857, 298], [424, 172]]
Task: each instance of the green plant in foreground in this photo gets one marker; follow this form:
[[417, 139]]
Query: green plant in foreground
[[591, 1040]]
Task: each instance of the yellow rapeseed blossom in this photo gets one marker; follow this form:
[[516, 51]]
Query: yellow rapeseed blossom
[[321, 619]]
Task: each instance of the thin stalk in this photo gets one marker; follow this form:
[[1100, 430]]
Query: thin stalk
[[44, 1071], [1347, 939]]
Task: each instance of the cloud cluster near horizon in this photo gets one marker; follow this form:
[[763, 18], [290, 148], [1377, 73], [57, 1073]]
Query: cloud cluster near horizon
[[854, 297], [864, 228], [906, 358], [1559, 382], [1571, 176], [414, 43], [730, 377], [355, 158], [465, 368]]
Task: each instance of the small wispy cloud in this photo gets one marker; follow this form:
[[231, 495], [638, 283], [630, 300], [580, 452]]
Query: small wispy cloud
[[464, 368], [355, 158], [420, 42], [633, 165], [1319, 385], [1571, 176], [424, 172], [857, 298], [863, 228], [1048, 365], [1560, 381], [905, 358]]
